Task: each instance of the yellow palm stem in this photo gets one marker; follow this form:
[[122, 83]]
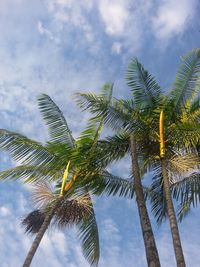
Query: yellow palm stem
[[162, 138], [70, 183], [65, 176]]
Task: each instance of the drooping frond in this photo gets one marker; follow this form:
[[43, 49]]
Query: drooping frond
[[181, 164], [145, 89], [33, 221], [187, 190], [112, 185], [156, 195], [187, 82], [57, 125], [187, 193], [89, 236], [25, 150], [73, 210], [183, 209], [42, 194]]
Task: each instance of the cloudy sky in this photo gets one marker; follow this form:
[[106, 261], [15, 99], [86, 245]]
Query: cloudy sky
[[60, 47]]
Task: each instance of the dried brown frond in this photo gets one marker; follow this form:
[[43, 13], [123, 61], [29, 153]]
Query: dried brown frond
[[33, 221], [42, 194], [72, 211]]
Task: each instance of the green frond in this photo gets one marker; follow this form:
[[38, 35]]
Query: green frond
[[89, 236], [184, 134], [115, 185], [95, 103], [156, 195], [187, 82], [145, 89], [187, 190], [113, 148], [24, 150], [106, 92], [30, 174], [195, 105], [183, 210], [53, 117]]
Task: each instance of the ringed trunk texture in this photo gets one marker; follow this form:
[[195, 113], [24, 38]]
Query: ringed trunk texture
[[148, 236], [172, 217], [38, 239]]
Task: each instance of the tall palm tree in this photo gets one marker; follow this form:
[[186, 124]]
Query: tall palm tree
[[140, 117], [181, 131], [61, 156], [131, 117]]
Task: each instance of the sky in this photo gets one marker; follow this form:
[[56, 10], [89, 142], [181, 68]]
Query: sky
[[60, 47]]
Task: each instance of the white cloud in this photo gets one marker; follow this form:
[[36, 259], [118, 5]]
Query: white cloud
[[115, 15], [172, 17], [116, 47], [4, 211], [42, 30]]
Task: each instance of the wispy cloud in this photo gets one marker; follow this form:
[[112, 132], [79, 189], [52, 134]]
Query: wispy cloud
[[172, 18]]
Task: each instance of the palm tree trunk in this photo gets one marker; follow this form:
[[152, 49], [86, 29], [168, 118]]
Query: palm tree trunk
[[38, 238], [172, 217], [148, 236]]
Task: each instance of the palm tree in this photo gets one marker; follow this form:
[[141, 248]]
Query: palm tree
[[131, 117], [139, 119], [63, 209], [181, 128], [61, 156]]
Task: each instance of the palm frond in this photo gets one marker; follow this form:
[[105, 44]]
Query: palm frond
[[73, 210], [183, 210], [187, 81], [187, 190], [57, 125], [115, 185], [145, 89], [30, 173], [89, 236], [185, 134], [42, 195], [112, 148], [156, 195], [195, 105], [33, 221], [181, 164], [25, 150]]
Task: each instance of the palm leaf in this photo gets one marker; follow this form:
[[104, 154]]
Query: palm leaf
[[88, 234], [156, 195], [187, 82], [25, 150], [52, 115], [145, 89], [30, 173]]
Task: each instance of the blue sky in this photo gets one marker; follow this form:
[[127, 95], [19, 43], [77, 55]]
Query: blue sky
[[60, 47]]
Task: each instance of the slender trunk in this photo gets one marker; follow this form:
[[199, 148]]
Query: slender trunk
[[169, 203], [172, 217], [38, 238], [149, 241]]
